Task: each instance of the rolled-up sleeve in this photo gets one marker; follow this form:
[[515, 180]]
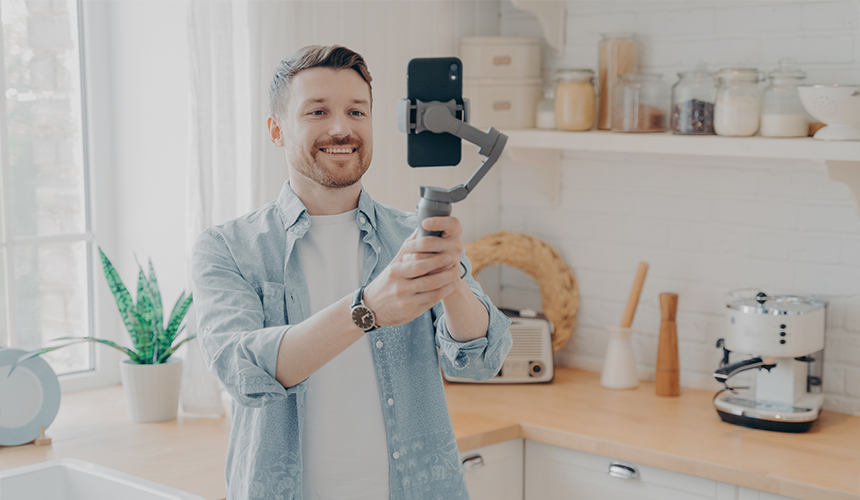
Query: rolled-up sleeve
[[479, 359], [240, 324]]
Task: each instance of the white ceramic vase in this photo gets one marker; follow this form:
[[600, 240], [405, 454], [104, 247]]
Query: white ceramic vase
[[619, 368], [151, 391]]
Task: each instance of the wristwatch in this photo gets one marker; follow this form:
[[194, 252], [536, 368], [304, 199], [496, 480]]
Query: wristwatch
[[362, 316]]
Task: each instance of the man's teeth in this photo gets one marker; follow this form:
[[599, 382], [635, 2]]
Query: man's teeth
[[337, 150]]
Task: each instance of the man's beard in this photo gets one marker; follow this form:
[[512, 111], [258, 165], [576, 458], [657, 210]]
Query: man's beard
[[307, 164]]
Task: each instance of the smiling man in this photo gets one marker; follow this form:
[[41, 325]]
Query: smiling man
[[321, 313]]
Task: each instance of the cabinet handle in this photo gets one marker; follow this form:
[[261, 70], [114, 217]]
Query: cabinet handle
[[623, 470], [473, 462]]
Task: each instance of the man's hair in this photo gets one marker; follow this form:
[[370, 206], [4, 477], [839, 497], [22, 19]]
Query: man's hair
[[313, 56]]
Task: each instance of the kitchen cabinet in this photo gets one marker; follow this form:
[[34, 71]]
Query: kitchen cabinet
[[555, 473], [682, 435], [495, 472], [748, 494]]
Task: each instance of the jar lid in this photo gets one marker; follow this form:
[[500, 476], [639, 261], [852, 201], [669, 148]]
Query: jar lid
[[787, 69], [739, 73], [620, 34], [697, 73], [574, 74], [636, 77], [500, 40], [777, 305]]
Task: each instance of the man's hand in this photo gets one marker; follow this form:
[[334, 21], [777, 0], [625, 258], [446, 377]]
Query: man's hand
[[424, 272], [449, 243]]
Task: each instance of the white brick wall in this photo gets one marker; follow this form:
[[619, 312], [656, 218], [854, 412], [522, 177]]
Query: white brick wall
[[705, 225], [698, 254]]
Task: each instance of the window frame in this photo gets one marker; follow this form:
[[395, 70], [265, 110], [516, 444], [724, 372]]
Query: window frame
[[103, 321]]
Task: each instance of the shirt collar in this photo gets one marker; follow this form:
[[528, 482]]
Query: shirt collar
[[292, 207]]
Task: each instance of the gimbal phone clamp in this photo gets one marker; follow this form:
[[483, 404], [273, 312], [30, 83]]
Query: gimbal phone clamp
[[441, 117]]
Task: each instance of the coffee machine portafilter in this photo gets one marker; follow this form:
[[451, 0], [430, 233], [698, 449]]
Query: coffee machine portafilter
[[783, 339]]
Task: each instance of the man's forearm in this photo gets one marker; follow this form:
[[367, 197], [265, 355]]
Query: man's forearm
[[465, 315], [309, 345]]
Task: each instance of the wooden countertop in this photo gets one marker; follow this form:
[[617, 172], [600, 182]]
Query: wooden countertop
[[682, 434]]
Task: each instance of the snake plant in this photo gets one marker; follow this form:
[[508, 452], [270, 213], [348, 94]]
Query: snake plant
[[152, 339]]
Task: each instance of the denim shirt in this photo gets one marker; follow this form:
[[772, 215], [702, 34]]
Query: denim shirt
[[249, 289]]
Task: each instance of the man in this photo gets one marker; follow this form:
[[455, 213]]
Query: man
[[321, 313]]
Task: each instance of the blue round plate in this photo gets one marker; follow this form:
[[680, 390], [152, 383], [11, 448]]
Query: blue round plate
[[29, 398]]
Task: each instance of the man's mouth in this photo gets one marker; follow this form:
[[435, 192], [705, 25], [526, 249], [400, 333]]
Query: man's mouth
[[341, 150]]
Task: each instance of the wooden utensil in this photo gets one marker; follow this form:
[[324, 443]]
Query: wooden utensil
[[668, 380], [633, 301]]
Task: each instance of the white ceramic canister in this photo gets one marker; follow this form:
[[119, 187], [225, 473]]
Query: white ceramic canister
[[503, 103], [500, 57], [619, 367]]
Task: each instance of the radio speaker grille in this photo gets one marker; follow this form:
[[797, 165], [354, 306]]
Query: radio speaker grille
[[528, 342]]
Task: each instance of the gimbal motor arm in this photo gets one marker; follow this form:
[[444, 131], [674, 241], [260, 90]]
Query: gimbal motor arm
[[440, 117]]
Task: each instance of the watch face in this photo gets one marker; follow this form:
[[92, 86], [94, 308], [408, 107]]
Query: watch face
[[363, 317]]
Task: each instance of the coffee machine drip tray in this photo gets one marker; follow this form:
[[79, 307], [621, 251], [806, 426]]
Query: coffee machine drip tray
[[768, 415], [765, 405]]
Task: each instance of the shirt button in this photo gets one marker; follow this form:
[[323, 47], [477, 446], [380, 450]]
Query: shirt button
[[396, 455], [379, 344], [390, 402], [362, 220]]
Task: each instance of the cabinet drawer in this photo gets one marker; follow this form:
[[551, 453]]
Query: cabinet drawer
[[748, 494], [554, 473], [495, 472]]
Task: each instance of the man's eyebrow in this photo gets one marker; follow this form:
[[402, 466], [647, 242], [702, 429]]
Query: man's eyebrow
[[320, 100]]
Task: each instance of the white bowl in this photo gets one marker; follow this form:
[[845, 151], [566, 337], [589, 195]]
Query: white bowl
[[836, 105]]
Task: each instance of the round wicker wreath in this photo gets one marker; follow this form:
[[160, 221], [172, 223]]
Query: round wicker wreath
[[557, 285]]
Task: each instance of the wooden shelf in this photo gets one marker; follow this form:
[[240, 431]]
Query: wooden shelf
[[541, 150], [696, 145]]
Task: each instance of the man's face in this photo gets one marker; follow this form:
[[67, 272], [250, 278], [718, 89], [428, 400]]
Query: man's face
[[326, 128]]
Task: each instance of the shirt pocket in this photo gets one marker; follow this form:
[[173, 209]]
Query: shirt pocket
[[274, 304]]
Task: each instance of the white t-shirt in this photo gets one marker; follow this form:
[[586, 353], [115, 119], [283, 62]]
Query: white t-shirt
[[344, 444]]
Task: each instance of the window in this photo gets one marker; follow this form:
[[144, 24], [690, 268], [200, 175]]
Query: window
[[46, 265]]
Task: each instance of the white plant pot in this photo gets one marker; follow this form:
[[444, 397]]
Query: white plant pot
[[151, 391]]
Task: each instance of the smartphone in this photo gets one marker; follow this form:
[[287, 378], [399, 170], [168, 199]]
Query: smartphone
[[434, 79]]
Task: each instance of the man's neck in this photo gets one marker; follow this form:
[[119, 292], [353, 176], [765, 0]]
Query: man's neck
[[320, 200]]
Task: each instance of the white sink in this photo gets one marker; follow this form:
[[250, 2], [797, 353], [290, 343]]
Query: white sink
[[70, 479]]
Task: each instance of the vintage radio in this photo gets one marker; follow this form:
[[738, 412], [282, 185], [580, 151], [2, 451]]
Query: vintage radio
[[530, 359]]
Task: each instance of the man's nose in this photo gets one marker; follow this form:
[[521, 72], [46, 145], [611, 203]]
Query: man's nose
[[340, 126]]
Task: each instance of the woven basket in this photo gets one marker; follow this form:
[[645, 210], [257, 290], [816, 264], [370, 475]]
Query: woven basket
[[558, 290]]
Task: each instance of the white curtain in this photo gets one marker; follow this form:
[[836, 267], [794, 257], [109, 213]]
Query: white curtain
[[233, 169]]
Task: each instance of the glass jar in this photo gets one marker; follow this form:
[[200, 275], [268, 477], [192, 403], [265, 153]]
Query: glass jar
[[782, 114], [618, 54], [693, 103], [640, 104], [738, 104], [574, 99], [545, 117]]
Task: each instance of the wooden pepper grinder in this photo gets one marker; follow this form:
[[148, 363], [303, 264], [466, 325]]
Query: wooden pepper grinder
[[668, 370]]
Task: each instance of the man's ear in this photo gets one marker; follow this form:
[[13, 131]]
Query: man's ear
[[275, 134]]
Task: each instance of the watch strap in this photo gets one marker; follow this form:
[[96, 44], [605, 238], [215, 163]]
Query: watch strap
[[358, 297]]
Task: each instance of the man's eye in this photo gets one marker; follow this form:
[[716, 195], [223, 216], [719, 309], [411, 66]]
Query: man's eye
[[318, 112]]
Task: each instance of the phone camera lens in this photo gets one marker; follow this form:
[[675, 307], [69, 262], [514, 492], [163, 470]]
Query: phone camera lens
[[454, 67]]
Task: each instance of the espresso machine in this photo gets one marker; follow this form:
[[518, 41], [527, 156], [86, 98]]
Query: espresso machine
[[782, 338]]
